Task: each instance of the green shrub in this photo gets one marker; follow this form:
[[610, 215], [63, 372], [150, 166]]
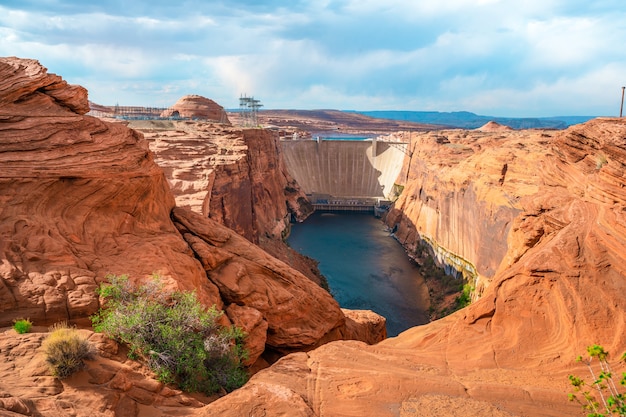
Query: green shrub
[[603, 399], [465, 298], [65, 350], [174, 334], [22, 325]]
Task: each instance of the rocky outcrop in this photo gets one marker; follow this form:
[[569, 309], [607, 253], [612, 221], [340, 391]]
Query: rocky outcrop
[[297, 311], [234, 176], [109, 385], [539, 216], [198, 108], [492, 126], [274, 195], [81, 199]]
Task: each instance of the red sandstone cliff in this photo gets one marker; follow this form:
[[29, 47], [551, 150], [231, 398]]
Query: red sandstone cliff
[[83, 198], [80, 199], [541, 217], [236, 177]]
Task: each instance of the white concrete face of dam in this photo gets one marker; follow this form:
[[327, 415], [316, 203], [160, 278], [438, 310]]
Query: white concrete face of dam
[[345, 168]]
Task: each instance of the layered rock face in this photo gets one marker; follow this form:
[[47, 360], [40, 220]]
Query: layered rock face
[[80, 199], [540, 216], [197, 107], [297, 311], [234, 176], [83, 198]]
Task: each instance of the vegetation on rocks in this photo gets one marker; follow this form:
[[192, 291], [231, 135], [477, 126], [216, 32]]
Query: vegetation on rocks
[[180, 340], [602, 397], [22, 326], [65, 349], [447, 293]]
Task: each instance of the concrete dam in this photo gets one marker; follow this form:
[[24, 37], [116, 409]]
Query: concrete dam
[[345, 175]]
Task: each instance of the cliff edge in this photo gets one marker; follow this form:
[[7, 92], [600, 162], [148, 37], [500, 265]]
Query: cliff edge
[[83, 198], [535, 221]]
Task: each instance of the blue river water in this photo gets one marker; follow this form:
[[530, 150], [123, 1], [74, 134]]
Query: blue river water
[[366, 268]]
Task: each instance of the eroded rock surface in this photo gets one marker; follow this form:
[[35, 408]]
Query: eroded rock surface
[[237, 177], [109, 385], [298, 312], [81, 199], [197, 107], [540, 215]]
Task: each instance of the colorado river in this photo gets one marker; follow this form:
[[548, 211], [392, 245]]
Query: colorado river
[[366, 268]]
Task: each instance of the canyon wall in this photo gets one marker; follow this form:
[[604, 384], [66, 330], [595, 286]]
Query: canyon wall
[[82, 198], [461, 194], [540, 216], [236, 177]]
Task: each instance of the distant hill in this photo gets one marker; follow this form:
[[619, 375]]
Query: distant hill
[[468, 120]]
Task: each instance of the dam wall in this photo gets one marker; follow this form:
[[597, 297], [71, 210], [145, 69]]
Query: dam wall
[[345, 172]]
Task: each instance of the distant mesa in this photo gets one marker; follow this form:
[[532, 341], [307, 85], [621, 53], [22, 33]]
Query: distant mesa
[[494, 127], [196, 107]]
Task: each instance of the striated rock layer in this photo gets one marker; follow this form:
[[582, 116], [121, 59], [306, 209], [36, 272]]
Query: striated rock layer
[[538, 218], [234, 176], [197, 107], [83, 198]]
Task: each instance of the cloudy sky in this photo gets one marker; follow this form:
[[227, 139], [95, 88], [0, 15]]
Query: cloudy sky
[[492, 57]]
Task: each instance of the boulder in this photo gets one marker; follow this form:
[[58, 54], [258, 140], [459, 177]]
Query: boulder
[[298, 312], [197, 107]]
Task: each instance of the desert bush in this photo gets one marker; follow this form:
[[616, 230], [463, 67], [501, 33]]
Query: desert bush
[[465, 298], [22, 325], [173, 334], [604, 398], [65, 350]]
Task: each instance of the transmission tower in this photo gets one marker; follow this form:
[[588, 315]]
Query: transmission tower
[[248, 108]]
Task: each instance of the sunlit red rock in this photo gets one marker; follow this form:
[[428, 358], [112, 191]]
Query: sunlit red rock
[[198, 108], [546, 235], [81, 199]]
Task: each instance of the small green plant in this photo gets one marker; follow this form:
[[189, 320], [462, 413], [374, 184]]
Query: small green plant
[[65, 349], [22, 325], [173, 334], [601, 160], [603, 399], [465, 298]]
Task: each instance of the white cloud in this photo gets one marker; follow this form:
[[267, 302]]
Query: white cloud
[[477, 55], [565, 42]]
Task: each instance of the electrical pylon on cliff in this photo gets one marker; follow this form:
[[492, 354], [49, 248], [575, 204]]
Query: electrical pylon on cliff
[[248, 108]]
